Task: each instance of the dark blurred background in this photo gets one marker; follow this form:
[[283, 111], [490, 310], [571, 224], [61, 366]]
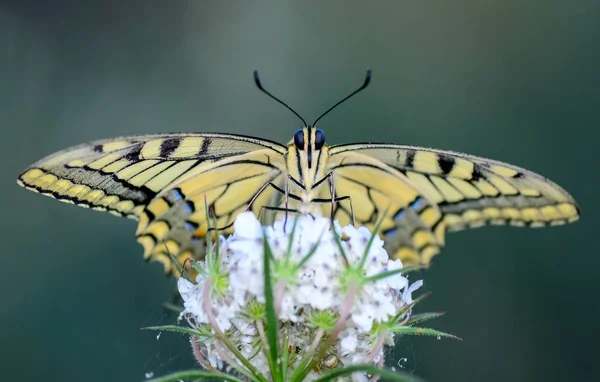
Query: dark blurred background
[[517, 81]]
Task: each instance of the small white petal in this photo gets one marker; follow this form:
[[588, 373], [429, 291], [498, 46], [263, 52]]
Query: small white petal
[[363, 319], [349, 343], [184, 286], [396, 281], [247, 226], [414, 286]]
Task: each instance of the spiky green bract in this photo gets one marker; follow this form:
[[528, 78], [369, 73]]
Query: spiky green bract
[[322, 319], [421, 317], [255, 311], [200, 331], [421, 332]]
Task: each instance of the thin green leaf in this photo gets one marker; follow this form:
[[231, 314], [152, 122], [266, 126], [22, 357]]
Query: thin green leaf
[[194, 375], [403, 271], [412, 268], [416, 318], [176, 328], [273, 353], [338, 241], [311, 252], [411, 330], [370, 242], [382, 275], [215, 222], [288, 253], [385, 374], [207, 216]]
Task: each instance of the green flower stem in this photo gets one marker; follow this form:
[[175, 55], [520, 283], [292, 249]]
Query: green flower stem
[[198, 354], [344, 314], [377, 347], [253, 373], [223, 353], [308, 354], [260, 327]]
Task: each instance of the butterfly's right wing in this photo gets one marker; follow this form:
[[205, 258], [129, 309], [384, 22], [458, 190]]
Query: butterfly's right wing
[[472, 191]]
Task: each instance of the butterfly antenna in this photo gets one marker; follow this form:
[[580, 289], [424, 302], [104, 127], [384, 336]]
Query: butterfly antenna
[[259, 85], [362, 87]]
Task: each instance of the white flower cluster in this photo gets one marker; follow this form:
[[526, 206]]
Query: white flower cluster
[[311, 278]]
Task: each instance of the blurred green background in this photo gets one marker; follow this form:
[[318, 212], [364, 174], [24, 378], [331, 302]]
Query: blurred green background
[[517, 81]]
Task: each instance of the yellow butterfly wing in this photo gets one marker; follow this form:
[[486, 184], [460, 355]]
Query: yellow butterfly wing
[[471, 191], [176, 219], [378, 191], [124, 175]]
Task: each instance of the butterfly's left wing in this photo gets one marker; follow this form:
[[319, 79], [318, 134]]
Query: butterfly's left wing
[[376, 192], [471, 191]]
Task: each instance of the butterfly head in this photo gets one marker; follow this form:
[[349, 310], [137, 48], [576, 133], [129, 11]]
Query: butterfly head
[[307, 153], [311, 140]]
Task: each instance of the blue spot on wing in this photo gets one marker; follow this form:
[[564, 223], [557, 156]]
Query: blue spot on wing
[[416, 203], [189, 207], [177, 194], [390, 232], [190, 226], [399, 214]]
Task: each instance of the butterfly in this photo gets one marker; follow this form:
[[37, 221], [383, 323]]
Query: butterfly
[[168, 182]]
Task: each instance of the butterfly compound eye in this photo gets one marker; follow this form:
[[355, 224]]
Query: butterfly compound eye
[[319, 139], [299, 139]]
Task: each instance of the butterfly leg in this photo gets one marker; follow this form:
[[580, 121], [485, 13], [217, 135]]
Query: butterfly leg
[[280, 209], [287, 195], [329, 177], [334, 199], [332, 191], [253, 199]]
